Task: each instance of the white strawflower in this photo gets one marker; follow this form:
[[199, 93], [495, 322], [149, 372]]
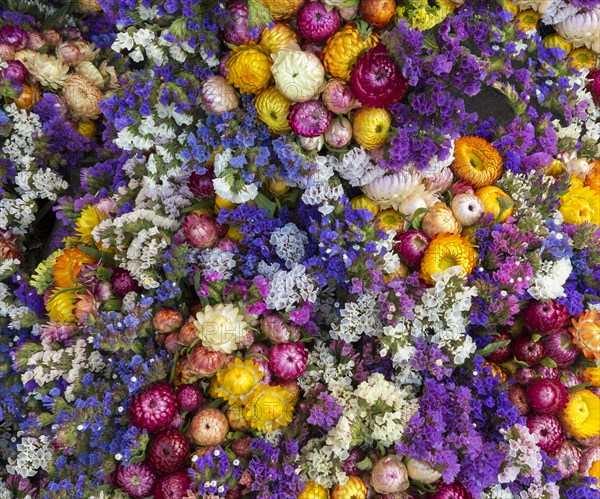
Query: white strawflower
[[582, 29], [299, 75], [82, 97], [218, 96], [404, 191], [221, 328], [49, 71]]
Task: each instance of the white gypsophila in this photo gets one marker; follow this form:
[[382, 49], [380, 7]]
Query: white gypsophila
[[5, 493], [397, 405], [391, 261], [170, 111], [143, 253], [442, 314], [358, 318], [587, 129], [536, 490], [169, 194], [548, 282], [222, 185], [130, 301], [289, 242], [15, 312], [66, 363], [216, 260], [34, 454], [397, 340], [8, 267], [497, 492], [267, 269], [357, 167], [288, 288], [147, 13], [44, 184], [121, 228], [523, 456], [340, 437], [324, 368], [322, 193], [319, 464]]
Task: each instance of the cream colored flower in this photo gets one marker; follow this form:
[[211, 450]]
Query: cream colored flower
[[89, 71], [221, 328], [49, 71], [404, 191], [582, 29], [82, 97], [88, 6], [218, 96], [299, 75]]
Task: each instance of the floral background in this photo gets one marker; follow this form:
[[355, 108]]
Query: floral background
[[300, 249]]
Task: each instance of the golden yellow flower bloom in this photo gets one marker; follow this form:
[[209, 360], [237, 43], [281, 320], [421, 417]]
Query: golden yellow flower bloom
[[313, 490], [238, 380], [282, 9], [447, 251], [580, 204], [586, 334], [234, 233], [371, 126], [425, 17], [581, 416], [88, 219], [353, 489], [277, 186], [593, 178], [342, 50], [527, 20], [273, 108], [555, 169], [278, 37], [68, 265], [590, 375], [364, 203], [581, 58], [400, 273], [554, 40], [510, 7], [61, 305], [496, 371], [270, 408], [221, 204], [496, 202], [476, 161], [87, 128], [249, 69], [213, 388], [387, 220]]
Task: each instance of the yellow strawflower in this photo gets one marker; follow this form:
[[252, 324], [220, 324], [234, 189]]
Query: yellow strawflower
[[273, 108], [89, 218], [447, 251], [581, 416], [371, 126], [249, 69], [269, 408], [580, 204], [238, 380], [60, 306]]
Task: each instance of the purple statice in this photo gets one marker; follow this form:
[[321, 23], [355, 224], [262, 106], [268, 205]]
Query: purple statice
[[325, 412], [274, 469], [430, 359], [582, 490], [216, 471], [455, 427]]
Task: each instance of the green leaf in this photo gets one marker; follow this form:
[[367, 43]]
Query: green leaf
[[417, 222], [578, 387], [205, 203], [258, 15], [488, 349], [365, 464], [546, 362], [98, 254], [536, 337], [265, 203]]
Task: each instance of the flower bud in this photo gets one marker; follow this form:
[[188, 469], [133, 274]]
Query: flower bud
[[7, 52], [200, 231], [312, 144], [440, 220], [89, 71], [277, 330], [422, 471], [338, 97], [467, 208], [84, 307], [339, 133], [218, 96], [35, 41], [51, 37], [69, 53], [167, 320], [15, 71], [389, 475]]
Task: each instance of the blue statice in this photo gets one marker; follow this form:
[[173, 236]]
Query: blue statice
[[274, 469], [325, 412], [216, 471]]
